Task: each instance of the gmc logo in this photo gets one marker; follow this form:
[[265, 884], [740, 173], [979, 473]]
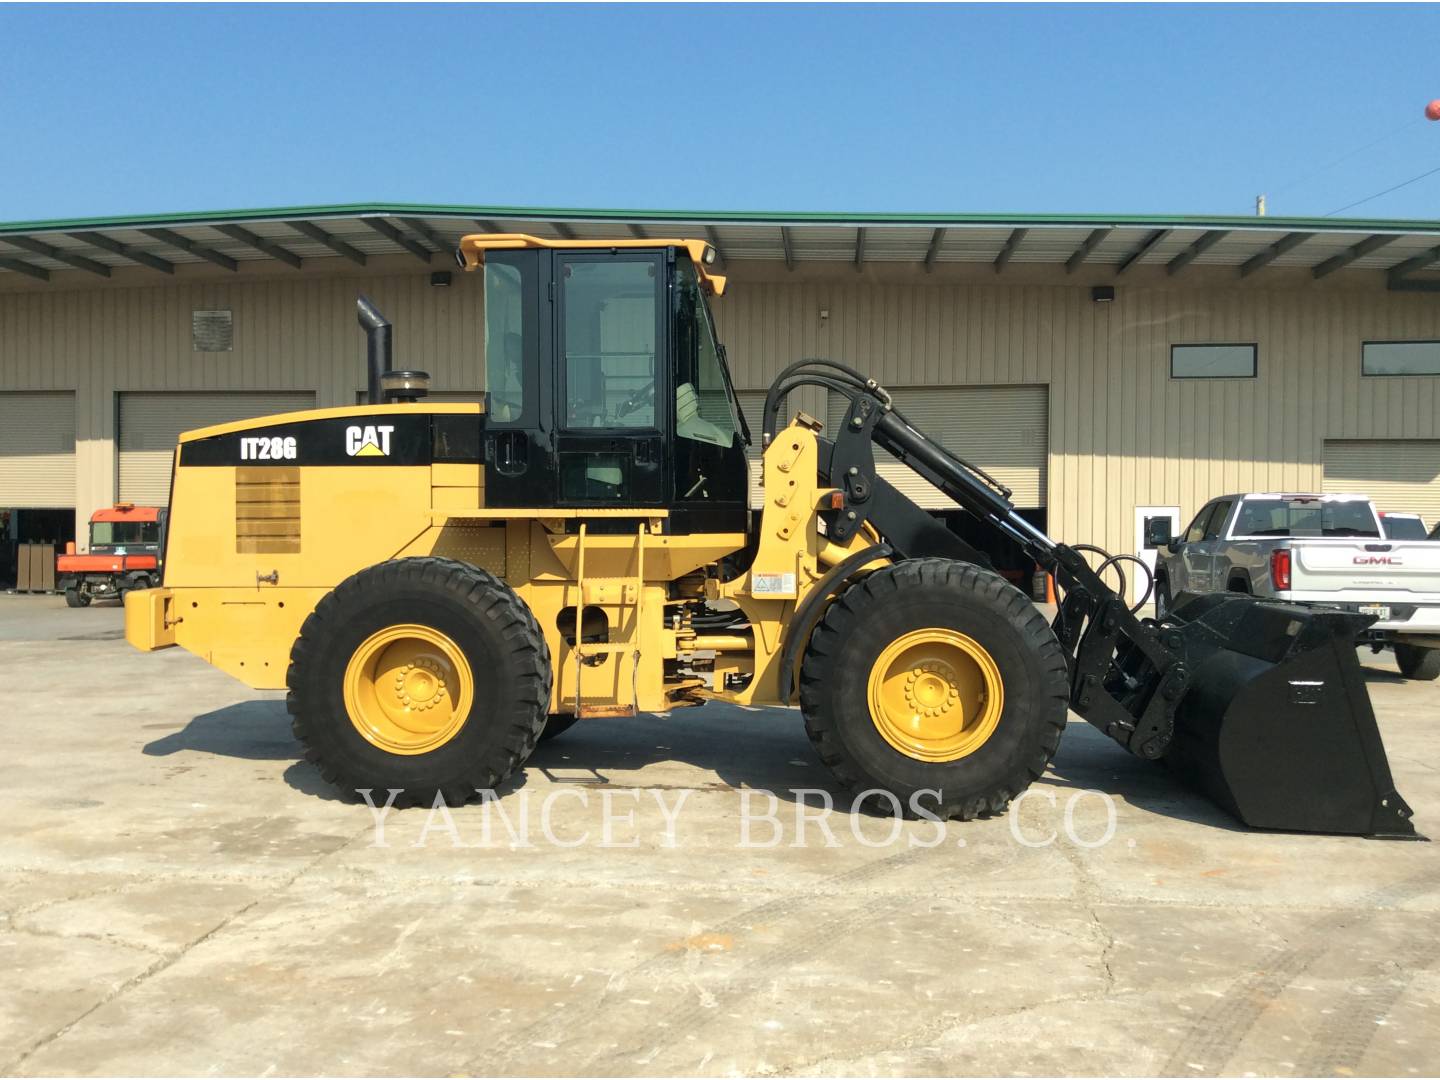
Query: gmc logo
[[1378, 560]]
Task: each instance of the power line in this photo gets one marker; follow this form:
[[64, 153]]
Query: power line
[[1387, 191], [1408, 125]]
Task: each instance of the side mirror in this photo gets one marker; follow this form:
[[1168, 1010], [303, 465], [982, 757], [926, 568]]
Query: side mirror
[[1157, 532]]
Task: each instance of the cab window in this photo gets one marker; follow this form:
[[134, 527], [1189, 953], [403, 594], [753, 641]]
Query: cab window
[[1196, 531], [504, 341], [1306, 516], [1217, 520], [1404, 527], [124, 532], [610, 323], [704, 411]]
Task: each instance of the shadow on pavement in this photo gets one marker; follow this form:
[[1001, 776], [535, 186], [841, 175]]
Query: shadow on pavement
[[765, 748], [1088, 761], [762, 749], [250, 730]]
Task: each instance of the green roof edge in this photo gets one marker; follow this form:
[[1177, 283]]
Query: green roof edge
[[755, 217]]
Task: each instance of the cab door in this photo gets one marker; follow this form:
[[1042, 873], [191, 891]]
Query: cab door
[[519, 452], [1199, 555], [612, 391], [1189, 572]]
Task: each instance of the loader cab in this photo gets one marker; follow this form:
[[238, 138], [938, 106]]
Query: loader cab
[[606, 385]]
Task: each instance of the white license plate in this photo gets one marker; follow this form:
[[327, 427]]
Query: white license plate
[[1380, 611]]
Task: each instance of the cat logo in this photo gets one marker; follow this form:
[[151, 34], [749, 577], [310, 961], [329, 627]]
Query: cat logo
[[370, 441]]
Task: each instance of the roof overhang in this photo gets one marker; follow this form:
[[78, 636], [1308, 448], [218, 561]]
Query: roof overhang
[[294, 238]]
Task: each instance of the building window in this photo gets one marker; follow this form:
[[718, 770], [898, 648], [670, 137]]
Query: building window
[[1400, 358], [1212, 361]]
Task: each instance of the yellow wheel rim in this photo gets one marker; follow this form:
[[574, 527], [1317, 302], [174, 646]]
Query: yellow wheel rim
[[408, 689], [936, 695]]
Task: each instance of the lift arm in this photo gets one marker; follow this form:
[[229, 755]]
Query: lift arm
[[1261, 704]]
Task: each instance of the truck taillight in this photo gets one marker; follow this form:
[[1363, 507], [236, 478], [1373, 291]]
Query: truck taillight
[[1280, 568]]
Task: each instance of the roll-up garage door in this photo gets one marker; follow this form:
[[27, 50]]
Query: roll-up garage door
[[1001, 429], [37, 449], [1401, 475], [151, 424], [752, 404]]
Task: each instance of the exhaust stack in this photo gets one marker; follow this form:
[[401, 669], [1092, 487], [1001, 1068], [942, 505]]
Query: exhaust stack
[[377, 345]]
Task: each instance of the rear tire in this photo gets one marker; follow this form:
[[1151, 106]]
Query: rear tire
[[1416, 662], [75, 598], [960, 608], [481, 678], [557, 724]]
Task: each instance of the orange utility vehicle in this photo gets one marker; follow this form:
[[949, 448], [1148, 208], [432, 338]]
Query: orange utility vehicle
[[124, 555]]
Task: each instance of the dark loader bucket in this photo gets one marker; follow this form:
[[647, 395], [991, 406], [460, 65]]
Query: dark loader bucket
[[1276, 725]]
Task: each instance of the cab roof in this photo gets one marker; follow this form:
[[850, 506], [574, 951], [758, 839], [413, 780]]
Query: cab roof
[[126, 512], [471, 252]]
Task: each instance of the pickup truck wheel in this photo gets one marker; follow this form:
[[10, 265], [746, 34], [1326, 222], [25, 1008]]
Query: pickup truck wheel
[[1162, 597], [425, 675], [75, 598], [1417, 663], [937, 683]]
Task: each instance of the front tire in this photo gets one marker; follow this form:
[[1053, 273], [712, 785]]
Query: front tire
[[1162, 597], [427, 675], [1416, 662], [935, 676]]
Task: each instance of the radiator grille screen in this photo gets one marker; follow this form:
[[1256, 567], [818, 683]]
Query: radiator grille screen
[[267, 511]]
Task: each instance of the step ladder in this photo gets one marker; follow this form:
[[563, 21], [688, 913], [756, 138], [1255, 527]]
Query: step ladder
[[617, 649]]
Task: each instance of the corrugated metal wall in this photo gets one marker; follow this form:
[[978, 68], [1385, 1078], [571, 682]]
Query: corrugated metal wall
[[1122, 433]]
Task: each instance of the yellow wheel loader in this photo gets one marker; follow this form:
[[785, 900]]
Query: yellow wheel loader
[[439, 586]]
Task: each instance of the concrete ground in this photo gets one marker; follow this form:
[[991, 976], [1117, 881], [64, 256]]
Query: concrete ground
[[179, 895]]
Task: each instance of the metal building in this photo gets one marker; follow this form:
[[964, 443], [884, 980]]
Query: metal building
[[1102, 367]]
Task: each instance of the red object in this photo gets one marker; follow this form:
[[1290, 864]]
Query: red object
[[1432, 111], [127, 512], [103, 564], [71, 563], [1280, 569]]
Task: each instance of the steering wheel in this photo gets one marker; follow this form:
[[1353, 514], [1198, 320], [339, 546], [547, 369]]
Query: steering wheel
[[639, 399]]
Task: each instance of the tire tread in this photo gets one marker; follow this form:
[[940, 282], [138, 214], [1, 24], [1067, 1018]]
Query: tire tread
[[885, 586], [492, 600]]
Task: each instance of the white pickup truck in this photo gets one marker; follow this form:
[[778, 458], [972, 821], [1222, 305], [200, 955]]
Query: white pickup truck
[[1310, 549]]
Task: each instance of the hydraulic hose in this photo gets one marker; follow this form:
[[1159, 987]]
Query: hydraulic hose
[[840, 377], [833, 379], [781, 388], [1107, 560]]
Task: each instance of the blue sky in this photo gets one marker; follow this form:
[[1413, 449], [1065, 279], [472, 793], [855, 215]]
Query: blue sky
[[1186, 109]]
